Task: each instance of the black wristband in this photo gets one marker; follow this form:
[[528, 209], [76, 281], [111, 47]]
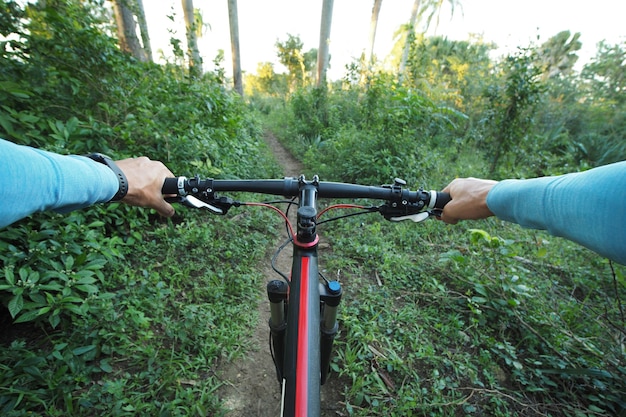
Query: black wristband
[[103, 159]]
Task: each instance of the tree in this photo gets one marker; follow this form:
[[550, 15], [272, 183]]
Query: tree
[[323, 56], [419, 9], [297, 63], [265, 81], [410, 31], [234, 42], [195, 61], [606, 73], [513, 104], [558, 55], [143, 28], [373, 26], [126, 30]]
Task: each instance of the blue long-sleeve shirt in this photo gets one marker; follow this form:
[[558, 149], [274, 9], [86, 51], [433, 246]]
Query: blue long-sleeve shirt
[[34, 180], [588, 207]]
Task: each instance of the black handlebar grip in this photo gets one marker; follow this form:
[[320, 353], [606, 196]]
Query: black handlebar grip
[[170, 186], [441, 200]]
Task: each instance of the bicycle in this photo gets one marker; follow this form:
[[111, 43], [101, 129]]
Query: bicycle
[[304, 305]]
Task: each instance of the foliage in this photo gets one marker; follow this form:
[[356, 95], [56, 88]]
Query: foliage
[[557, 56], [368, 136], [266, 82], [97, 297], [513, 106], [299, 64], [448, 70], [605, 73], [490, 324], [602, 121]]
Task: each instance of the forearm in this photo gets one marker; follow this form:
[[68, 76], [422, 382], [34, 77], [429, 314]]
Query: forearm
[[588, 208], [36, 180]]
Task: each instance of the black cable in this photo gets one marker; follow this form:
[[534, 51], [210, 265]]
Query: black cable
[[366, 211], [278, 251]]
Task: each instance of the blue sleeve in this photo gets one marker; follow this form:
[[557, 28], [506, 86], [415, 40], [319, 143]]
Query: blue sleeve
[[588, 208], [34, 180]]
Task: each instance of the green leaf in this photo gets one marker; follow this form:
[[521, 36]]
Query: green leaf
[[477, 235], [9, 275], [15, 305], [69, 263], [28, 316], [54, 319], [50, 287], [89, 289], [87, 279], [83, 349], [105, 366]]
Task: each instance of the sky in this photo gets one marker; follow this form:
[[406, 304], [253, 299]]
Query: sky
[[507, 23]]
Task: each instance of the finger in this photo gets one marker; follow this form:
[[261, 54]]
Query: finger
[[447, 219], [164, 208]]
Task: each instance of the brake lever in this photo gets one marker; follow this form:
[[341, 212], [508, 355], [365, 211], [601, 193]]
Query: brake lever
[[418, 217], [194, 202]]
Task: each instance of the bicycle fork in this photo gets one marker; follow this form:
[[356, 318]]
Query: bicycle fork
[[330, 298]]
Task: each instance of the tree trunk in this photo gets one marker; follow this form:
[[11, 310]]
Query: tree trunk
[[373, 26], [407, 42], [234, 45], [126, 33], [143, 27], [323, 54], [195, 61]]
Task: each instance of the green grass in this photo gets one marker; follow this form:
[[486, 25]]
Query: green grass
[[180, 301], [448, 321]]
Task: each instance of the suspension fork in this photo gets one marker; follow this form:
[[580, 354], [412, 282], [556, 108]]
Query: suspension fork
[[330, 296]]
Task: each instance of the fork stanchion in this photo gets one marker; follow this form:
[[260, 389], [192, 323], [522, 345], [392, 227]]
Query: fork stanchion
[[330, 296], [277, 294]]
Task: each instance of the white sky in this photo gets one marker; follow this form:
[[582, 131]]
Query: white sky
[[508, 23]]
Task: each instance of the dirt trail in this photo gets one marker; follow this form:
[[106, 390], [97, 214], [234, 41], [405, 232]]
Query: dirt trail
[[250, 386]]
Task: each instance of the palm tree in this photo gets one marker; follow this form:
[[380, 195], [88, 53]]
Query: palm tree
[[143, 28], [234, 42], [126, 33], [373, 26], [195, 61], [558, 54], [407, 42], [433, 7], [323, 56]]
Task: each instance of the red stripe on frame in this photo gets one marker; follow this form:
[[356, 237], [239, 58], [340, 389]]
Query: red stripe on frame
[[302, 358]]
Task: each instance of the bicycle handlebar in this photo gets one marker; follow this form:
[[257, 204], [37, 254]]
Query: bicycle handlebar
[[402, 201]]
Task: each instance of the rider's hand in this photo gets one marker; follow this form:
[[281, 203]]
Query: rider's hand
[[145, 180], [469, 200]]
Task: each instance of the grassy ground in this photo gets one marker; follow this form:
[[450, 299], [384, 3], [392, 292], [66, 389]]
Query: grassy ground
[[448, 321]]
